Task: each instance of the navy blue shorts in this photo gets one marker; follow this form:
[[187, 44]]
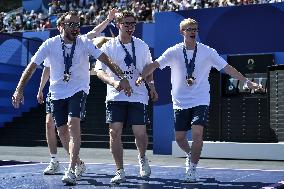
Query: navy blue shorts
[[73, 106], [47, 104], [184, 119], [129, 113]]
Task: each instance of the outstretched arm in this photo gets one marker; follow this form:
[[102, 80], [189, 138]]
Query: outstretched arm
[[44, 78], [99, 28], [18, 96], [150, 82], [147, 70], [237, 75]]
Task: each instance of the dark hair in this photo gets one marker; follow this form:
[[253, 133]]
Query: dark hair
[[124, 14]]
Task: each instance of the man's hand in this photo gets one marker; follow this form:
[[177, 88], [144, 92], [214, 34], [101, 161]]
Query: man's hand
[[111, 14], [254, 86], [153, 94], [18, 98], [139, 81], [40, 97], [124, 84], [116, 85]]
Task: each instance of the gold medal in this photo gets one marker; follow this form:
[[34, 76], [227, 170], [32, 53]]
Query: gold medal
[[190, 81]]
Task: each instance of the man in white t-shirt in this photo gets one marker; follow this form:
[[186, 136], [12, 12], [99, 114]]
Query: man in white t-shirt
[[51, 139], [131, 54], [69, 81], [190, 64]]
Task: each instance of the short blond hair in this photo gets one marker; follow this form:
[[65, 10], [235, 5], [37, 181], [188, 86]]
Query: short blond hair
[[187, 21]]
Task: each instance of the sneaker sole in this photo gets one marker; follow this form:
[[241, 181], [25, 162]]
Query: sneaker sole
[[53, 173], [145, 176], [78, 177], [118, 181], [189, 181], [69, 183], [48, 173]]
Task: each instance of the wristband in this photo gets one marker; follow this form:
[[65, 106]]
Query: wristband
[[152, 82]]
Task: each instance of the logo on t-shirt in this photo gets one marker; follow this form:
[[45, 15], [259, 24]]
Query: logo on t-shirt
[[128, 74]]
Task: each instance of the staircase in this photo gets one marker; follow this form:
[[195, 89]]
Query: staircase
[[26, 130], [29, 128]]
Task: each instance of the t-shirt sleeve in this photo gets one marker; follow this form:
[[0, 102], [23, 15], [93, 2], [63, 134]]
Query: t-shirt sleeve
[[100, 65], [148, 55], [46, 62], [166, 58], [42, 52], [91, 48], [218, 62]]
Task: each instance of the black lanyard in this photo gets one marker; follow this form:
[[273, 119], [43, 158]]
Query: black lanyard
[[68, 58], [191, 65], [128, 59]]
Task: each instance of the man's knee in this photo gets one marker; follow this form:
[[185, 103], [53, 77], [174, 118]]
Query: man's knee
[[114, 134], [197, 133], [73, 122], [49, 123], [180, 138], [141, 136], [63, 131]]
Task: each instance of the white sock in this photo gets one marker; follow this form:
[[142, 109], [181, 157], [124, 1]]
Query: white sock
[[188, 155], [53, 157], [192, 166]]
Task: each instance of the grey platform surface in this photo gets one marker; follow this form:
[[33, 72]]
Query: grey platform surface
[[167, 171]]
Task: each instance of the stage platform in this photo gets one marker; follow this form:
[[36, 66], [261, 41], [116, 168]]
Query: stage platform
[[167, 171], [98, 176]]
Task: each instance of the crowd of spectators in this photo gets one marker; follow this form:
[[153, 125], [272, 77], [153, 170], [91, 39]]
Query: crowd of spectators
[[92, 12]]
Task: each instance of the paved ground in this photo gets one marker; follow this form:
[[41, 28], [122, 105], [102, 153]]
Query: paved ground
[[167, 171]]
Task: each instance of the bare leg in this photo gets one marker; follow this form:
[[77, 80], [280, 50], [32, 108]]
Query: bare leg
[[75, 140], [116, 148], [63, 133], [181, 139], [50, 134], [197, 143], [141, 138]]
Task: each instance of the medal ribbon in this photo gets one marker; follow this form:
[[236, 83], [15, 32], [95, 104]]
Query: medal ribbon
[[191, 65], [128, 59], [68, 58]]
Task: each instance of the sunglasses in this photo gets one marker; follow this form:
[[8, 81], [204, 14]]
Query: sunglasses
[[190, 29], [73, 25], [127, 24]]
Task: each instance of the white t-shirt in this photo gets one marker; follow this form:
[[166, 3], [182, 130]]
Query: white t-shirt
[[116, 52], [184, 96], [51, 50]]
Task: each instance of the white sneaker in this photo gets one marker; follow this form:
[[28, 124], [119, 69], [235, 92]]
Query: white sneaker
[[119, 177], [79, 170], [69, 177], [190, 176], [145, 170], [52, 168]]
